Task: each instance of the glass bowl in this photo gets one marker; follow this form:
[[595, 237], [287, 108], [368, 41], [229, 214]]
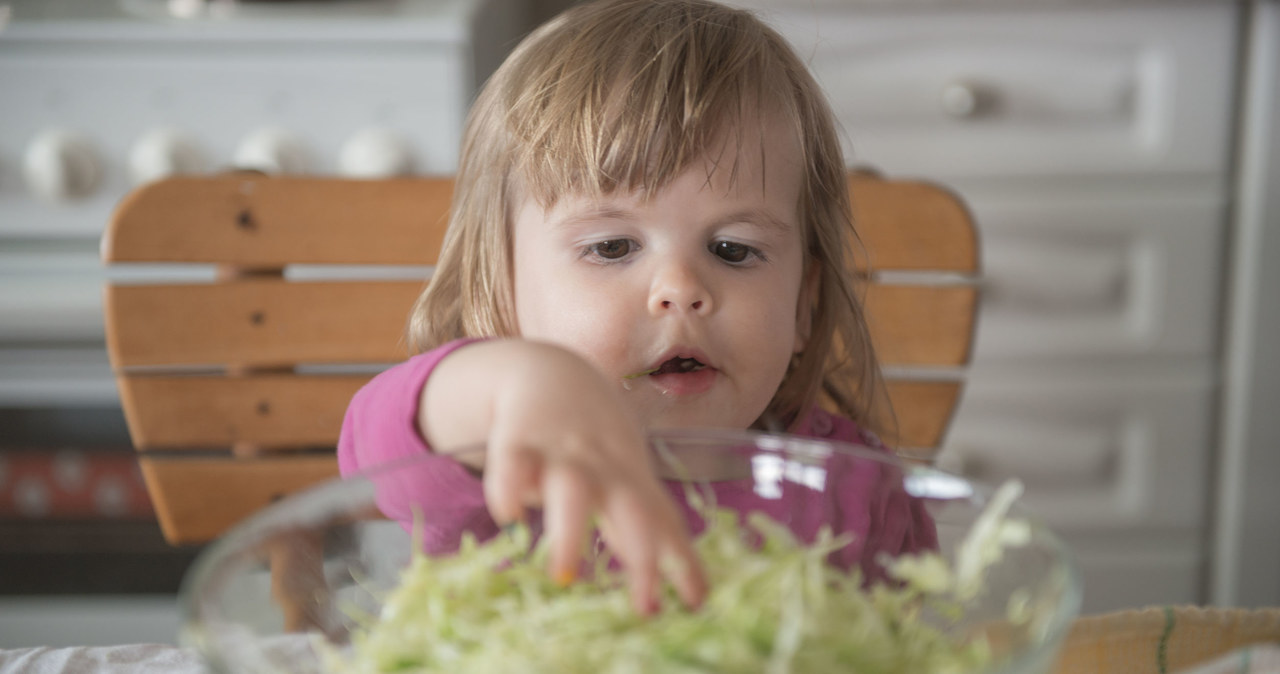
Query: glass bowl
[[280, 591]]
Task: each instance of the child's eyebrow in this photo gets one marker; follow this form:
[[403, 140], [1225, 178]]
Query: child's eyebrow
[[594, 215], [759, 217]]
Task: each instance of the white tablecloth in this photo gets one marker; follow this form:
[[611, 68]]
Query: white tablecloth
[[275, 653], [164, 659], [131, 659]]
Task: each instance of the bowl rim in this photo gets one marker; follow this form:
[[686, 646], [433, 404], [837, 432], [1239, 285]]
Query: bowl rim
[[319, 502]]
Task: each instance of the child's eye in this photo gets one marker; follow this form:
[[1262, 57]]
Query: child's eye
[[735, 253], [613, 249]]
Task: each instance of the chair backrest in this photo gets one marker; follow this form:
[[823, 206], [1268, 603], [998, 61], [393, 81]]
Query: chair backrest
[[234, 385]]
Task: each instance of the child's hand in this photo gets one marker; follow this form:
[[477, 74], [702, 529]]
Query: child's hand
[[560, 437]]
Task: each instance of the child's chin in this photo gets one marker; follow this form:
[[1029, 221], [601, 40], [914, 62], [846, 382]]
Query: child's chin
[[687, 418]]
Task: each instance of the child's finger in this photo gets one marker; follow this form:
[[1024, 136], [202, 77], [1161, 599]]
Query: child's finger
[[632, 538], [681, 566], [566, 506], [508, 478], [676, 559]]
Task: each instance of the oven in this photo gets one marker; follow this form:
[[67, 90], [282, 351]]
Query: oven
[[99, 96]]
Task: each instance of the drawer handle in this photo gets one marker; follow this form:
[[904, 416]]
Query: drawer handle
[[965, 100]]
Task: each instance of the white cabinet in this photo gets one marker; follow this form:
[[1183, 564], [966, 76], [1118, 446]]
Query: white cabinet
[[1093, 143], [1011, 91]]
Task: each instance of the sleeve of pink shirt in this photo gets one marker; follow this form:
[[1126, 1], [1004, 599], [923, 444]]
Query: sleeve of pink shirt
[[380, 428]]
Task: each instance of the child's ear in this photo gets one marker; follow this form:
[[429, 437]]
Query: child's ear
[[804, 305]]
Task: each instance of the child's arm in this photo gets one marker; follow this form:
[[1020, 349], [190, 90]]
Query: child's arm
[[560, 437]]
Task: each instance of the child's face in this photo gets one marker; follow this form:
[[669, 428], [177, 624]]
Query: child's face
[[708, 270]]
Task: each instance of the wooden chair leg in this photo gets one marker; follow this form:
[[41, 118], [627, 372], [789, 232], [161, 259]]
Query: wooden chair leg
[[298, 584]]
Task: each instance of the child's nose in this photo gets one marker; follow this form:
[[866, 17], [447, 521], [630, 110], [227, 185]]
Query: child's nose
[[678, 288]]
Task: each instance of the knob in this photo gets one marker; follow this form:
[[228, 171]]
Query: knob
[[163, 152], [375, 153], [61, 166], [964, 100], [271, 151]]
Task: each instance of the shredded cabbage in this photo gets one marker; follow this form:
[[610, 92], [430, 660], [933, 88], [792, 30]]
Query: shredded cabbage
[[775, 607]]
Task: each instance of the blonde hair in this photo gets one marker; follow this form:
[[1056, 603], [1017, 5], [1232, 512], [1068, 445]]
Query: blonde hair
[[627, 94]]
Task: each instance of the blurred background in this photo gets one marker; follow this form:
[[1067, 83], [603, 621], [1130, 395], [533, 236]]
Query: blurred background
[[1118, 158]]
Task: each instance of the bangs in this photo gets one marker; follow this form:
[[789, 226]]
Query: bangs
[[630, 102]]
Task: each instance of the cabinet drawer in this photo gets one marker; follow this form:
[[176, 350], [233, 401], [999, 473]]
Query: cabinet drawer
[[1099, 276], [990, 91], [1119, 449]]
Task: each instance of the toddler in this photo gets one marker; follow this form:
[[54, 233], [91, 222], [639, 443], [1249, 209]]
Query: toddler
[[650, 230]]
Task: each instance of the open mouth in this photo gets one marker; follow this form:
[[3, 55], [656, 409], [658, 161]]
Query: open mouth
[[673, 365], [678, 376], [679, 365]]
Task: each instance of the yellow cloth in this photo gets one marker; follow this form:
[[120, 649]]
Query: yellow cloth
[[1166, 640]]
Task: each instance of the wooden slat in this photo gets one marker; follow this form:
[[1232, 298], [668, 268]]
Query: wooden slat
[[921, 325], [293, 411], [258, 322], [263, 411], [923, 410], [912, 226], [257, 221], [194, 500], [272, 322], [181, 487]]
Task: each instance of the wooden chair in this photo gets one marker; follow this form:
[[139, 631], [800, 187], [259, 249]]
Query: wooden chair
[[224, 384]]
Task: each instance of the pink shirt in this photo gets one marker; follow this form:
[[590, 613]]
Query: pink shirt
[[863, 497]]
